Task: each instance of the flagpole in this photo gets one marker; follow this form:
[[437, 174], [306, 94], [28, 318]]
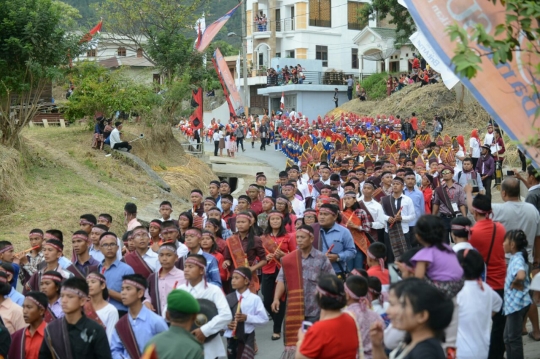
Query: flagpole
[[244, 55]]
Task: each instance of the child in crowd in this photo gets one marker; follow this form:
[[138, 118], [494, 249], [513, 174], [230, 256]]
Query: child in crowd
[[460, 232], [209, 245], [98, 307], [378, 298], [29, 261], [356, 290], [240, 332], [50, 284], [7, 255], [477, 303], [376, 256], [516, 292]]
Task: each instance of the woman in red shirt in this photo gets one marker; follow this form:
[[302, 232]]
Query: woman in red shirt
[[335, 335], [209, 245], [427, 190], [275, 234], [283, 205]]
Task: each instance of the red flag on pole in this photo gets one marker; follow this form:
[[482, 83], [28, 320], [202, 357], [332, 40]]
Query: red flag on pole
[[282, 104], [88, 36], [196, 118]]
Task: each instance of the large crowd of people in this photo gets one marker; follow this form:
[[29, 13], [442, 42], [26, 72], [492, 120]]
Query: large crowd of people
[[376, 239]]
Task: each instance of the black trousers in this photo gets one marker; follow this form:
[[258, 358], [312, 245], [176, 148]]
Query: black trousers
[[474, 162], [268, 287], [447, 225], [240, 142], [349, 93], [523, 160], [487, 185], [120, 145], [216, 147], [263, 143], [496, 346]]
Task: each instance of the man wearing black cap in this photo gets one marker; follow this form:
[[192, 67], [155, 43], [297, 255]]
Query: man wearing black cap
[[449, 200], [486, 167], [116, 141]]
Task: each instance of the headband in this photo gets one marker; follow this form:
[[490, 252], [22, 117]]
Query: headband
[[98, 278], [155, 224], [168, 230], [253, 186], [382, 295], [193, 232], [327, 210], [275, 214], [196, 193], [85, 221], [350, 195], [243, 215], [363, 301], [33, 300], [209, 200], [50, 236], [324, 293], [103, 218], [133, 284], [35, 234], [80, 236], [75, 291], [52, 245], [167, 247], [267, 200], [225, 200], [458, 227], [241, 274], [305, 231], [198, 264], [208, 234], [381, 260], [282, 200], [107, 237], [6, 248], [139, 231], [482, 211], [52, 277], [98, 230]]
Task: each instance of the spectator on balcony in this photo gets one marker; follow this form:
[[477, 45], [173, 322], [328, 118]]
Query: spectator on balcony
[[264, 22], [300, 72], [350, 83]]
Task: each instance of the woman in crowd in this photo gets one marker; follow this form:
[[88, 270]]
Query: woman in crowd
[[98, 307]]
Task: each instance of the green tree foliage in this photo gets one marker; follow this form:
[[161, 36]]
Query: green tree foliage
[[375, 86], [400, 17], [98, 89], [34, 48]]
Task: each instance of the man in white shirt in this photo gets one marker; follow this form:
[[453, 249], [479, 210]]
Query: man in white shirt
[[194, 272], [398, 211], [488, 138], [373, 209], [299, 206], [115, 142]]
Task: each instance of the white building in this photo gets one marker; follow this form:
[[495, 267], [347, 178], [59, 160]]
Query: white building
[[112, 52]]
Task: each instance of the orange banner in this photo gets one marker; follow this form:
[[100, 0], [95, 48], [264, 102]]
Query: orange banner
[[228, 79], [504, 90]]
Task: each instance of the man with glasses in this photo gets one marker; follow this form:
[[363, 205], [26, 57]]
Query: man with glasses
[[143, 260], [113, 270], [449, 200]]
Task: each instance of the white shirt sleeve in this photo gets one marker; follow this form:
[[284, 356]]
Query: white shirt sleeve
[[224, 316]]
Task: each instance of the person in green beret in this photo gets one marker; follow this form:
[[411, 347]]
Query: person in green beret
[[178, 342]]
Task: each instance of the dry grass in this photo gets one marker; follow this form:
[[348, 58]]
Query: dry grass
[[10, 177]]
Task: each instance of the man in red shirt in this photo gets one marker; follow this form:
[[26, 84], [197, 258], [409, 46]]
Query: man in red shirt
[[487, 238], [414, 122]]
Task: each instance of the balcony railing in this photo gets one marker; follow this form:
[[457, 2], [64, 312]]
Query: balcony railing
[[261, 26], [286, 24], [311, 78]]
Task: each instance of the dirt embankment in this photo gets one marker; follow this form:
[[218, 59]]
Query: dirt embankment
[[58, 177]]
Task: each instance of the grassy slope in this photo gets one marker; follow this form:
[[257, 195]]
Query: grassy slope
[[64, 178]]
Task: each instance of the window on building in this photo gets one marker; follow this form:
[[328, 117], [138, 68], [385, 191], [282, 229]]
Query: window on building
[[321, 53], [121, 51], [320, 13], [91, 53], [290, 54], [353, 15], [278, 54], [139, 52], [394, 66], [354, 58]]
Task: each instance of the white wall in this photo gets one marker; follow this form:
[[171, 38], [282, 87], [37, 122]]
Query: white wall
[[221, 112]]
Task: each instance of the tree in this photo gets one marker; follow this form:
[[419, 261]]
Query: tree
[[522, 19], [98, 89], [400, 17], [34, 47]]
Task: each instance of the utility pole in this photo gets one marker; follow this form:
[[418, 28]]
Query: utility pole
[[244, 57]]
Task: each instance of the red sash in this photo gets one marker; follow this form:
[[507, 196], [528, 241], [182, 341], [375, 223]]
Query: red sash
[[125, 332], [378, 194], [90, 312], [359, 237], [270, 246], [138, 264], [295, 312], [240, 259], [49, 316]]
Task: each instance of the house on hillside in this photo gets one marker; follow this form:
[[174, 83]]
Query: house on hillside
[[112, 52]]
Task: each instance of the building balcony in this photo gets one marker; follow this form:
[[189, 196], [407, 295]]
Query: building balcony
[[262, 29]]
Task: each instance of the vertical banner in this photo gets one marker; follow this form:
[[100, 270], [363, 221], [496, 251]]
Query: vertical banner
[[211, 31], [228, 80], [232, 112], [196, 118], [504, 90]]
